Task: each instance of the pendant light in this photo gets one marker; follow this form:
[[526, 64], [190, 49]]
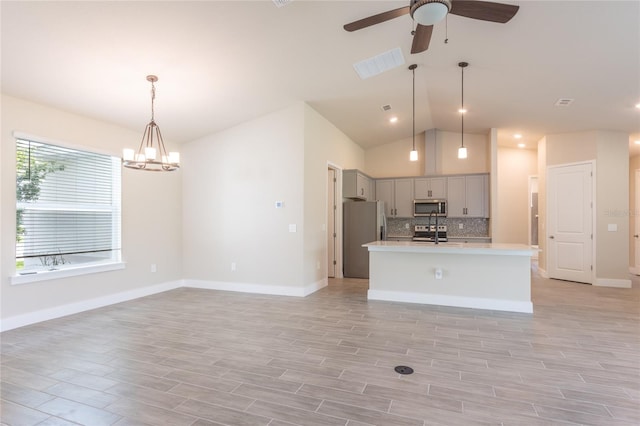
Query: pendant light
[[462, 151], [151, 154], [413, 155]]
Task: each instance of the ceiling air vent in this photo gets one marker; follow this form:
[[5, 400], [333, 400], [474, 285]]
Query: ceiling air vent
[[564, 102], [379, 63], [386, 107], [281, 3]]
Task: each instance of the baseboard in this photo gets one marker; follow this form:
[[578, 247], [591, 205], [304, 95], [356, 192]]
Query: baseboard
[[612, 282], [457, 301], [276, 290], [312, 288], [543, 272], [85, 305], [99, 302]]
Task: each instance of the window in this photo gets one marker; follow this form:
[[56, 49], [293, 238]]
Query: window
[[68, 208]]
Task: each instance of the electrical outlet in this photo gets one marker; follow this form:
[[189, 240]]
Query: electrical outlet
[[233, 266], [154, 268], [461, 226], [438, 274], [406, 225]]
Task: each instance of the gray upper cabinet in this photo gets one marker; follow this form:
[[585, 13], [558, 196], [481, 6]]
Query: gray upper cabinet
[[430, 188], [468, 196], [357, 185], [397, 195]]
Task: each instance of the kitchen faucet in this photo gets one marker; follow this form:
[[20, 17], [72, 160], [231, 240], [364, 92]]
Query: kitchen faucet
[[436, 215]]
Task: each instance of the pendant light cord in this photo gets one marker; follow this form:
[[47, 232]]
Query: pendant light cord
[[462, 108], [414, 108]]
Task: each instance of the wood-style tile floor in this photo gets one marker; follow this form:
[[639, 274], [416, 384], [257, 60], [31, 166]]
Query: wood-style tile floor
[[200, 357]]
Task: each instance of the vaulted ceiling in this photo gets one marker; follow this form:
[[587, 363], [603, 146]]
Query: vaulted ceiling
[[222, 63]]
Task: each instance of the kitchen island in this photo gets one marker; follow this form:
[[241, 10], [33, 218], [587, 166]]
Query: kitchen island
[[469, 275]]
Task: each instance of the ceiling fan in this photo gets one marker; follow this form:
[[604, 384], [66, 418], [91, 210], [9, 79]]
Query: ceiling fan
[[428, 12]]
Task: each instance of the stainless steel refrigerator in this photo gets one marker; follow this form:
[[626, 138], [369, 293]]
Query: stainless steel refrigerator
[[363, 222]]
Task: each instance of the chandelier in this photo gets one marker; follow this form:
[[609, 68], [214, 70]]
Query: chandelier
[[151, 154]]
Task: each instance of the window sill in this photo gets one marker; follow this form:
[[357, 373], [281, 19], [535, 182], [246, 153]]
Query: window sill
[[64, 273]]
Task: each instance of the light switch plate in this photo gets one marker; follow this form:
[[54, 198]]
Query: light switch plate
[[612, 227], [293, 227]]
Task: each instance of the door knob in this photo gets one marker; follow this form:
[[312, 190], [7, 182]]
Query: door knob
[[551, 236], [635, 236]]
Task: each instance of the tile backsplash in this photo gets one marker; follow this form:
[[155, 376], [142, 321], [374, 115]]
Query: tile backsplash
[[473, 227]]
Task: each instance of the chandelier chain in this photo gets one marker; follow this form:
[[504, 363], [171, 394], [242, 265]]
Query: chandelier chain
[[153, 98]]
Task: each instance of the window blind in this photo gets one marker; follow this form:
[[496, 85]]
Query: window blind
[[68, 203]]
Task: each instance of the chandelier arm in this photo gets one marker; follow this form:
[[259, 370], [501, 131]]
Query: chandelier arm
[[164, 155]]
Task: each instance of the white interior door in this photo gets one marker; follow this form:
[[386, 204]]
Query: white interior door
[[570, 222], [636, 234], [331, 223]]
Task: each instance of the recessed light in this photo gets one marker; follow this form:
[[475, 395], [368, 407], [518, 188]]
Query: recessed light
[[521, 145], [517, 136], [636, 142], [638, 106], [393, 120]]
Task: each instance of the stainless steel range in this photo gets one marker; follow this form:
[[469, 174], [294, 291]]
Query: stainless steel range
[[428, 233]]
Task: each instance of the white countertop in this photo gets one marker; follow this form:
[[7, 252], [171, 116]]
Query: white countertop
[[451, 248]]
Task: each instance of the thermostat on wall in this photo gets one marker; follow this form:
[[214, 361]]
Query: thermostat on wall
[[279, 204]]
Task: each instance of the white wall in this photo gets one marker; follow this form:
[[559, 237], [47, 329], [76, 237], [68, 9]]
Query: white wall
[[392, 159], [634, 164], [438, 154], [612, 205], [447, 144], [513, 170], [231, 182], [610, 150], [324, 144], [151, 215]]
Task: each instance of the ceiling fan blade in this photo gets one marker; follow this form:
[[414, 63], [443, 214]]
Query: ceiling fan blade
[[484, 10], [376, 19], [421, 38]]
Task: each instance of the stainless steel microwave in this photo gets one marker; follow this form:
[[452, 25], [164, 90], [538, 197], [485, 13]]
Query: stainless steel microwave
[[429, 207]]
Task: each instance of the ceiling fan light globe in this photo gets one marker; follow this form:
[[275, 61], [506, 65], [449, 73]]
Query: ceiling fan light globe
[[429, 12]]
